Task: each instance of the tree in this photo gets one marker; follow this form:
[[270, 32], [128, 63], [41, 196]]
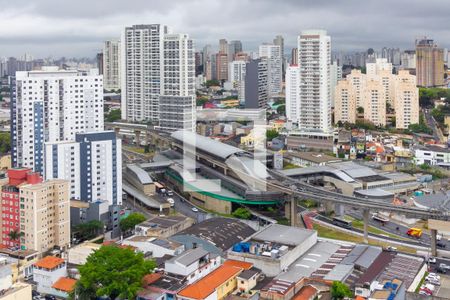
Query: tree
[[242, 213], [281, 109], [112, 271], [132, 220], [271, 134], [339, 290], [114, 115], [201, 101], [360, 109], [5, 142], [213, 82], [14, 235], [89, 230]]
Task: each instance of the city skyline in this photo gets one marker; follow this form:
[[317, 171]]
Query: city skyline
[[83, 26]]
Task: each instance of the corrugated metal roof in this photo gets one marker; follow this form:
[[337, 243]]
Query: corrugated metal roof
[[143, 176], [206, 144]]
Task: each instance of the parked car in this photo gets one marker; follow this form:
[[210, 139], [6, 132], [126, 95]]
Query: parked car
[[171, 201], [391, 249], [433, 281], [441, 270], [169, 193], [433, 276], [444, 266], [432, 260], [441, 244], [194, 209]]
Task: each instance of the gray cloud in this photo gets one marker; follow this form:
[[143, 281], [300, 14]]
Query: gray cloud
[[77, 28]]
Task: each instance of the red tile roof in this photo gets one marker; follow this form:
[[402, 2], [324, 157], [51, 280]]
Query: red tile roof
[[237, 263], [64, 284], [306, 293], [208, 284], [49, 262]]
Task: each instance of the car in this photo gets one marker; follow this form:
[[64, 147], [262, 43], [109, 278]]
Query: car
[[35, 293], [432, 260], [438, 237], [391, 249], [433, 276], [441, 270], [169, 193], [171, 201], [50, 297], [433, 281], [444, 266], [194, 209], [425, 293], [440, 244]]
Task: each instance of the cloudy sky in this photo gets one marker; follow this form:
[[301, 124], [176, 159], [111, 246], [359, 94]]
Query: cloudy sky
[[77, 27]]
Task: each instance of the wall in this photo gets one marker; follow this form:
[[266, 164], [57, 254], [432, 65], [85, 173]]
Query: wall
[[46, 279], [226, 288], [22, 291]]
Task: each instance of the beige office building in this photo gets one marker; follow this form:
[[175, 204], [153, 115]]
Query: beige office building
[[45, 215], [429, 63], [345, 108], [406, 100]]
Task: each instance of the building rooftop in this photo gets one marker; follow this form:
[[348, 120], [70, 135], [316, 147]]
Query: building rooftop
[[221, 232], [169, 282], [362, 255], [207, 285], [434, 149], [306, 293], [237, 263], [309, 263], [282, 234], [162, 222], [65, 284], [247, 274], [315, 157], [49, 262], [206, 144], [279, 286], [143, 176], [189, 256]]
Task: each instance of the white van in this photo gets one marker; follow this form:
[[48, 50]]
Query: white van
[[171, 201]]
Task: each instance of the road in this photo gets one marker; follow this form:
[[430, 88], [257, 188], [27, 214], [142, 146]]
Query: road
[[391, 227], [431, 122]]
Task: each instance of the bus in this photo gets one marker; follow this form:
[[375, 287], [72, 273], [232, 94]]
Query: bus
[[342, 223]]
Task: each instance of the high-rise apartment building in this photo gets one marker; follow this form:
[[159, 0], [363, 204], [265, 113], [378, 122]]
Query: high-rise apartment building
[[256, 84], [374, 101], [408, 59], [380, 64], [92, 163], [374, 93], [177, 101], [406, 100], [111, 65], [223, 46], [345, 107], [429, 63], [279, 41], [293, 93], [314, 58], [222, 66], [335, 76], [52, 105], [142, 71], [234, 47], [38, 210], [272, 53], [99, 63], [294, 56]]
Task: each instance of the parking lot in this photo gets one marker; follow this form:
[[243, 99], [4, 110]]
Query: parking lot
[[444, 289]]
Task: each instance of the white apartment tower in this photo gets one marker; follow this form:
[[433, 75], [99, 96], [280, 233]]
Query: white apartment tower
[[272, 53], [91, 163], [111, 65], [142, 71], [237, 77], [52, 105], [314, 58], [177, 101], [293, 93]]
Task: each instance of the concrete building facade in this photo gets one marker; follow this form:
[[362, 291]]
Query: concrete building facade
[[429, 63], [111, 65]]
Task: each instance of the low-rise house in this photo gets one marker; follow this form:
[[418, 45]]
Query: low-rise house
[[47, 272], [192, 264], [154, 246], [215, 286], [63, 286]]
